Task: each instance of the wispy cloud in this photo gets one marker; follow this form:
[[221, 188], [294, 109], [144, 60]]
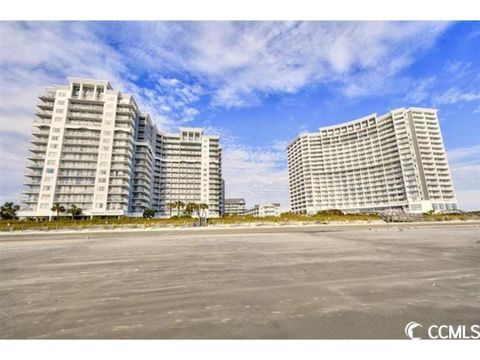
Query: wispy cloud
[[241, 62], [454, 95], [420, 91]]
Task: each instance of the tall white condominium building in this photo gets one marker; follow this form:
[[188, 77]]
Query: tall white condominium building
[[393, 161], [183, 167], [92, 147]]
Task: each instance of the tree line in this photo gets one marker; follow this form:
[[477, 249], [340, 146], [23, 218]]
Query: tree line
[[8, 211]]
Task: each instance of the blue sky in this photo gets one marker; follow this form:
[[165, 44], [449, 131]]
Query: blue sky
[[256, 84]]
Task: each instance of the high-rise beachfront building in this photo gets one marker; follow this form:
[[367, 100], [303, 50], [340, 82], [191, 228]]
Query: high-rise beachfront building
[[393, 161], [93, 148]]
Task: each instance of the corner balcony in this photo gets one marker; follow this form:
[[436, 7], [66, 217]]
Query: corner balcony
[[44, 114], [45, 105], [47, 96], [42, 122], [33, 173], [31, 190], [36, 156], [40, 132], [35, 164]]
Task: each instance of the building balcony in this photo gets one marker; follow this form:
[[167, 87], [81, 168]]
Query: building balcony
[[82, 134], [40, 132], [35, 164], [45, 105], [73, 192], [47, 96], [75, 165], [42, 122], [32, 173], [36, 156], [78, 174], [90, 108], [79, 150], [84, 115], [75, 182], [44, 114], [83, 124]]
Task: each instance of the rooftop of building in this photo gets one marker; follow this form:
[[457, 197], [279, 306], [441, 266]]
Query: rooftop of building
[[235, 201], [373, 116]]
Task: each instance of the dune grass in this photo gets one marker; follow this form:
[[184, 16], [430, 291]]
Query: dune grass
[[67, 223]]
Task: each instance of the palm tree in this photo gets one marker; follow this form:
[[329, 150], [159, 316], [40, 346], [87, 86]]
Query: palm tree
[[58, 209], [171, 206], [9, 211], [180, 205], [191, 208], [75, 211], [203, 207], [196, 208], [148, 213]]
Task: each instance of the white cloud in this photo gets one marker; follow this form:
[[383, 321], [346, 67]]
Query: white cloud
[[454, 95], [257, 174], [420, 91], [460, 155], [243, 61]]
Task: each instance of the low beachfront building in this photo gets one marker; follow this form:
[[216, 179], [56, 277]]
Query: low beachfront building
[[266, 209], [234, 206]]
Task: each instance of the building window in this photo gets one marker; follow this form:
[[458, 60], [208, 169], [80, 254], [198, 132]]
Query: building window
[[50, 171]]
